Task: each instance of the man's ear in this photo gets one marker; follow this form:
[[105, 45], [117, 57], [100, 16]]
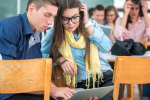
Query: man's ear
[[93, 11], [31, 9]]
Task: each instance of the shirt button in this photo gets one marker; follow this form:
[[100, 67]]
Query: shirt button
[[83, 52], [71, 49]]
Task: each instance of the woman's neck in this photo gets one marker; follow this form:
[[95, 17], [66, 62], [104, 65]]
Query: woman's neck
[[134, 20], [110, 23]]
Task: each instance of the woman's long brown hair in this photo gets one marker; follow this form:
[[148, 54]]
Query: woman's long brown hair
[[59, 35]]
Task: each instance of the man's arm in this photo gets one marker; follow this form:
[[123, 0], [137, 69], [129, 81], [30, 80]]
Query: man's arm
[[8, 41], [55, 91]]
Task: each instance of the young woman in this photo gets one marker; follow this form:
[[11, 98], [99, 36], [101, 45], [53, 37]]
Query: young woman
[[111, 14], [135, 23], [76, 44]]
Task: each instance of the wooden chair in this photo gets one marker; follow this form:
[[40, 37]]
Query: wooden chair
[[140, 86], [60, 80], [130, 70], [59, 77], [23, 76]]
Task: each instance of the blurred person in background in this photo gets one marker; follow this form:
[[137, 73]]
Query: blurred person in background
[[111, 14], [135, 23], [91, 13], [99, 15]]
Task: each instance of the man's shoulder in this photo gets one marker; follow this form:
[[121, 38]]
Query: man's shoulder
[[12, 22], [11, 28]]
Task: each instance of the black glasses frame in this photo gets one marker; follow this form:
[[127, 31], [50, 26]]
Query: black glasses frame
[[71, 19]]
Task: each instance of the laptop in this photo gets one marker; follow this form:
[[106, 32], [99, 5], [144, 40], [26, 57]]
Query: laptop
[[85, 94], [106, 29]]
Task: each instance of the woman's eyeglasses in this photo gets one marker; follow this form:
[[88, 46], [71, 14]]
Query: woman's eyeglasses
[[74, 19], [111, 15]]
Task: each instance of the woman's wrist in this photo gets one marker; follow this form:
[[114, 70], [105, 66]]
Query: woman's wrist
[[89, 23], [145, 14], [126, 14], [86, 22], [62, 62]]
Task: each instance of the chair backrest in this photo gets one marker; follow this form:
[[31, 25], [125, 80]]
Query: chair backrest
[[22, 76], [60, 80], [131, 70], [144, 43], [59, 77]]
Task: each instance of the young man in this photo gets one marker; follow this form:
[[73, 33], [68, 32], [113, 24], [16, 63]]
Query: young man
[[19, 39], [99, 14]]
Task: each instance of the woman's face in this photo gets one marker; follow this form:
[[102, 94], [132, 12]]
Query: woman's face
[[110, 16], [134, 12], [72, 23]]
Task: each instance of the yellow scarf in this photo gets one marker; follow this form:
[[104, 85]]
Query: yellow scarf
[[65, 51]]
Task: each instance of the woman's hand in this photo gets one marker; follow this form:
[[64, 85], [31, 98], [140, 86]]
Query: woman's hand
[[84, 9], [110, 36], [144, 6], [68, 68], [127, 6], [63, 92]]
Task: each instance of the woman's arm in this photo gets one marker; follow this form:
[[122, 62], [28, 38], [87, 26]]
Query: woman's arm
[[95, 32], [45, 49], [120, 25], [119, 31], [127, 7], [144, 10]]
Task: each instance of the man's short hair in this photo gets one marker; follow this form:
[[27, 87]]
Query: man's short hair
[[90, 11], [40, 3], [100, 8]]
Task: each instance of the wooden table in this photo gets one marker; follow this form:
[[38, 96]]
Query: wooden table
[[111, 58]]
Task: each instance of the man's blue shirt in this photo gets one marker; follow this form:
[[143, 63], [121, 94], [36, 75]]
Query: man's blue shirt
[[15, 34]]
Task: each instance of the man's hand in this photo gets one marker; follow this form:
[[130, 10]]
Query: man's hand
[[63, 92]]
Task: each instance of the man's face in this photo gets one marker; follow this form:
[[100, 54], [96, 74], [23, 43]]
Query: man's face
[[40, 19], [99, 16]]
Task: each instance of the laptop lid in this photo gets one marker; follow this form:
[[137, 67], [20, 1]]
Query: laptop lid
[[106, 29], [85, 94]]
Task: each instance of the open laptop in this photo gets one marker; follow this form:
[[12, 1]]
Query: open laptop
[[106, 29], [85, 94]]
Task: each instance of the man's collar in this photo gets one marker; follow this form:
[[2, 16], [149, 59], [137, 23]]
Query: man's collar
[[26, 26]]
